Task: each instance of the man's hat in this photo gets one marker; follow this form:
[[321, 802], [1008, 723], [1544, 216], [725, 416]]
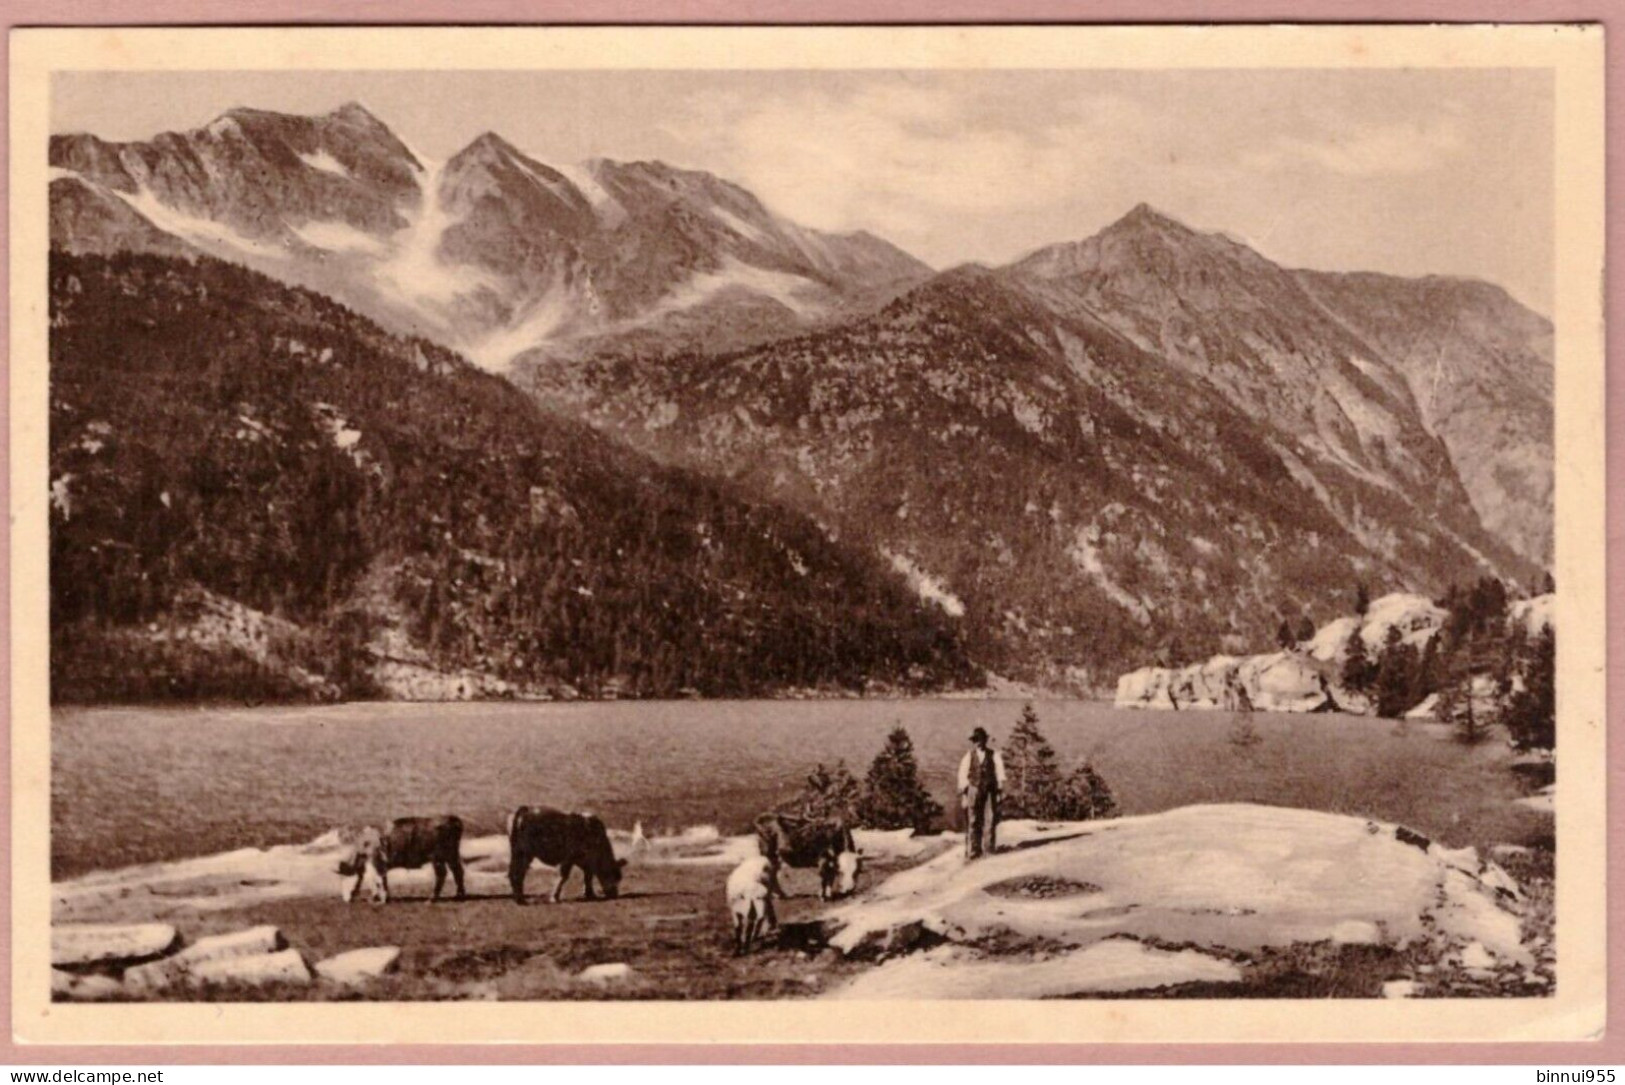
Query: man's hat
[[978, 735]]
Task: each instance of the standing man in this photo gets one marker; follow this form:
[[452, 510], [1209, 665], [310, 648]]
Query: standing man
[[981, 778]]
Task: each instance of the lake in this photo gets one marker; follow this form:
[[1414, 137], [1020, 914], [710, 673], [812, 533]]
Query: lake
[[135, 785]]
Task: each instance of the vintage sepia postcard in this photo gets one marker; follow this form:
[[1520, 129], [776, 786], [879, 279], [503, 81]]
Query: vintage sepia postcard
[[807, 535]]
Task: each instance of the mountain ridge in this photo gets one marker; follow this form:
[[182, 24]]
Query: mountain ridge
[[1149, 435], [491, 250]]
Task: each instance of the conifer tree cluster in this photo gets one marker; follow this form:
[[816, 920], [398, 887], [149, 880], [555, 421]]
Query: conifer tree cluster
[[1482, 666], [1037, 787], [891, 795]]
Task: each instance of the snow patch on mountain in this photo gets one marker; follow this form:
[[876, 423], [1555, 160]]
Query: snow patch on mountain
[[414, 271], [333, 236], [739, 225], [926, 586], [500, 346], [203, 232], [788, 290], [583, 177], [1085, 553], [321, 160]]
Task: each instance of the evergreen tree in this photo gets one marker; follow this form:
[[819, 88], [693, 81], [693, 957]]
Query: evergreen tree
[[1034, 784], [893, 796], [1285, 636], [1469, 729], [1395, 669], [1091, 798], [1357, 669], [1531, 714], [1547, 585], [1306, 629], [831, 794], [1362, 599], [1425, 682], [1243, 732]]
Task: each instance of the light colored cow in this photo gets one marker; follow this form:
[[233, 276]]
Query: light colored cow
[[750, 899]]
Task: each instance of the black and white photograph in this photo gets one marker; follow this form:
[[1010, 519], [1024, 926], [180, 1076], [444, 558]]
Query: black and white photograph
[[802, 534]]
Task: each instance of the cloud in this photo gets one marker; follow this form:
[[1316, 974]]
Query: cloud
[[901, 156], [1367, 150]]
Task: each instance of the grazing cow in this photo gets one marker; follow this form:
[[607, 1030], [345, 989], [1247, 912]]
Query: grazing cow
[[557, 839], [750, 899], [786, 840], [409, 844]]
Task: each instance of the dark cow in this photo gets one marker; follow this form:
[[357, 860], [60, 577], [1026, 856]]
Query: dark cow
[[556, 839], [409, 844], [787, 840]]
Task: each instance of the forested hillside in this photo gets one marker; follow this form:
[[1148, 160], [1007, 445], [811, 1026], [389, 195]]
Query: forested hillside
[[256, 492]]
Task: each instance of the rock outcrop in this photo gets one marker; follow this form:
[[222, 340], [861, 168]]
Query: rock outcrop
[[1095, 906], [1305, 679]]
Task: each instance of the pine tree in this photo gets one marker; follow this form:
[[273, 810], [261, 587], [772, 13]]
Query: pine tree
[[1243, 732], [1306, 629], [831, 794], [1362, 599], [1547, 585], [1469, 731], [1531, 715], [1425, 681], [1357, 670], [893, 796], [1395, 668], [1285, 636], [1090, 796], [1033, 784]]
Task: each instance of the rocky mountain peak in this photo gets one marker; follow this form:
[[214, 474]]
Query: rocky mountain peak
[[356, 113], [1145, 217]]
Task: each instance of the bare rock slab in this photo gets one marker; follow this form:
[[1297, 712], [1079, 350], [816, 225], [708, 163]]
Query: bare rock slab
[[83, 988], [357, 966], [252, 941], [93, 945], [262, 969]]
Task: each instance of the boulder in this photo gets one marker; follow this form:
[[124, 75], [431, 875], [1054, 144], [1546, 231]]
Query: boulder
[[1400, 989], [1415, 616], [1533, 614], [1144, 688], [359, 965], [617, 972], [107, 945], [261, 969], [1427, 710], [1329, 640], [1284, 682], [83, 988], [163, 973]]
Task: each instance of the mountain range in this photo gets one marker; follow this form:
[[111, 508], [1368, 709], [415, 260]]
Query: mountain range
[[1150, 441]]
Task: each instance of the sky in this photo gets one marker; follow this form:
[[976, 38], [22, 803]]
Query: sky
[[1436, 171]]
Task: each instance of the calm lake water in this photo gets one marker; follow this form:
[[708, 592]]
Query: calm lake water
[[133, 785]]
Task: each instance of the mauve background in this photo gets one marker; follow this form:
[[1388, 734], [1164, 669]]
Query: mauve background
[[1611, 13]]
